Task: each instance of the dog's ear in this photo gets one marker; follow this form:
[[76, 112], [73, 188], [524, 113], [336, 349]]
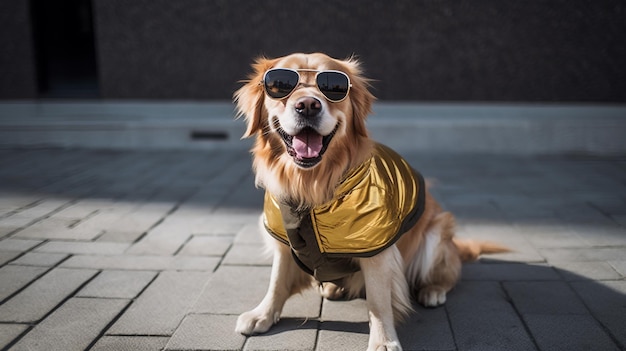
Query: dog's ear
[[249, 98], [360, 96]]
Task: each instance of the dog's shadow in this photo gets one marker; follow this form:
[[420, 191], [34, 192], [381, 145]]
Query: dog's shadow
[[496, 305]]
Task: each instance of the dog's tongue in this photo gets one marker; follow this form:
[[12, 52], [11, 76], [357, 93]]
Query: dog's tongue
[[307, 144]]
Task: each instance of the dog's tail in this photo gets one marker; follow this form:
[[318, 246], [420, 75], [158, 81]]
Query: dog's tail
[[469, 250]]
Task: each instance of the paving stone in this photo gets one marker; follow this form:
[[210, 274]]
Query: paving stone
[[18, 244], [14, 278], [584, 254], [57, 229], [544, 298], [131, 343], [206, 246], [571, 271], [508, 272], [40, 259], [306, 304], [233, 290], [8, 333], [117, 284], [100, 248], [287, 334], [250, 234], [39, 298], [482, 319], [427, 329], [619, 266], [345, 336], [73, 326], [344, 311], [8, 256], [568, 332], [173, 292], [120, 236], [162, 240], [142, 263], [207, 332], [607, 302], [32, 214], [248, 254]]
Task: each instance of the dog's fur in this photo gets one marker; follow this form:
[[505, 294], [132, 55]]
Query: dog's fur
[[425, 261]]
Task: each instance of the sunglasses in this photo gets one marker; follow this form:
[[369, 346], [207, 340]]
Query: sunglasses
[[279, 83]]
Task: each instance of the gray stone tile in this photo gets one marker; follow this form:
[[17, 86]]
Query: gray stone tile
[[161, 241], [58, 229], [544, 298], [482, 318], [8, 256], [40, 259], [120, 236], [142, 263], [248, 254], [251, 234], [207, 332], [206, 246], [607, 302], [287, 334], [8, 333], [161, 307], [117, 284], [345, 336], [344, 311], [14, 278], [233, 290], [84, 248], [427, 329], [568, 332], [571, 271], [130, 343], [73, 326], [39, 298], [306, 304], [18, 244], [508, 272], [584, 254], [619, 266]]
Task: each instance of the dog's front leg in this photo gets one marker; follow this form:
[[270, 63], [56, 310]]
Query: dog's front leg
[[284, 277], [378, 272]]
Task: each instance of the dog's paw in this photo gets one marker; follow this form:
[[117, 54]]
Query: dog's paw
[[254, 322], [431, 296], [388, 346], [332, 291]]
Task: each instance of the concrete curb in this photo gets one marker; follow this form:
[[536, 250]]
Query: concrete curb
[[485, 128]]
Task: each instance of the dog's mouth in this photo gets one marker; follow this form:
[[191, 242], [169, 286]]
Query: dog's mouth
[[308, 146]]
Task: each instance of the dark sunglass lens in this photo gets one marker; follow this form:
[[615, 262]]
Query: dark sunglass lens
[[333, 85], [280, 83]]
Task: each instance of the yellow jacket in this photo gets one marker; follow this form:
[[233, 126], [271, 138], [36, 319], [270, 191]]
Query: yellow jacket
[[373, 206]]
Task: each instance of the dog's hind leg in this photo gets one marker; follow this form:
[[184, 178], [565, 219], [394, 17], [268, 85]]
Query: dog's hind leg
[[286, 279], [436, 267]]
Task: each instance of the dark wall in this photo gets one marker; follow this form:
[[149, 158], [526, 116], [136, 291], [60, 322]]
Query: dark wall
[[448, 50], [18, 76]]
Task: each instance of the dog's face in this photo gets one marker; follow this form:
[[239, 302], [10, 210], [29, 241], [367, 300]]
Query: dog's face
[[306, 120], [308, 114]]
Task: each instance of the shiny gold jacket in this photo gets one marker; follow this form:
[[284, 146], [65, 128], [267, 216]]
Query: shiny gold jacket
[[372, 207]]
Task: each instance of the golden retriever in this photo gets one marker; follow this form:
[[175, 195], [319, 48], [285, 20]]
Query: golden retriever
[[329, 188]]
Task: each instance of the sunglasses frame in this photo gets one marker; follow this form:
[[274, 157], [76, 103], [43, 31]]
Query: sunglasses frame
[[296, 71]]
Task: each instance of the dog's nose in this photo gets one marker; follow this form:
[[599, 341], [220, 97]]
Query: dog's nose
[[308, 106]]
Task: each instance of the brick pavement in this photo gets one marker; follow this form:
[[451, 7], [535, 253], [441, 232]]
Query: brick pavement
[[139, 250]]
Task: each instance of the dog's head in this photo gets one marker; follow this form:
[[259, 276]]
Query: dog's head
[[308, 114]]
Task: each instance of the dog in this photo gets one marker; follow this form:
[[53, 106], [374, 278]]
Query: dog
[[341, 211]]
